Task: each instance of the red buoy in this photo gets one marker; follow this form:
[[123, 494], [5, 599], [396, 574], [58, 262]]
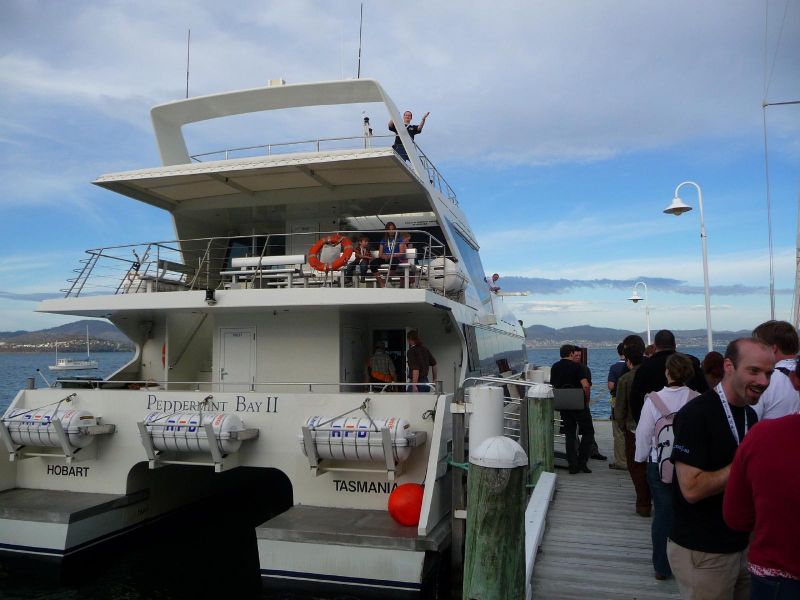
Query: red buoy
[[405, 503]]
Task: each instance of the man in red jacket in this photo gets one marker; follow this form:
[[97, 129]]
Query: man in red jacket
[[762, 496]]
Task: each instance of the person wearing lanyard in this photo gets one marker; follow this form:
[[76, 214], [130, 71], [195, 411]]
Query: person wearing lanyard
[[707, 557]]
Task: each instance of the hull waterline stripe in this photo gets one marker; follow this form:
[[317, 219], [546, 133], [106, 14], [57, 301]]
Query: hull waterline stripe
[[378, 583], [83, 545]]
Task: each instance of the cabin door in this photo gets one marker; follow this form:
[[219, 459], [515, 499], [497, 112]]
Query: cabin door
[[237, 365], [353, 356]]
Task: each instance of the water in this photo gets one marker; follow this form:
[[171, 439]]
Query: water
[[16, 367]]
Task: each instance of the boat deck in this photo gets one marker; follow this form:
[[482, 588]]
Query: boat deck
[[595, 545]]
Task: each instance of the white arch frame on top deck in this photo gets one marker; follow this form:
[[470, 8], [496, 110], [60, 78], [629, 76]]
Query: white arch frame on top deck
[[168, 119]]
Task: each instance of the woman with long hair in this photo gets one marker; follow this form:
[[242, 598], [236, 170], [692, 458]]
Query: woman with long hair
[[658, 407]]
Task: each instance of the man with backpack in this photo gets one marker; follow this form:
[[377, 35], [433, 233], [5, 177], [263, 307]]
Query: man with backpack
[[654, 439], [707, 557]]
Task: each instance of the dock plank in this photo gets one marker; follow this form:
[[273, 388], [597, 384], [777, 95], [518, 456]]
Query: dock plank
[[595, 545]]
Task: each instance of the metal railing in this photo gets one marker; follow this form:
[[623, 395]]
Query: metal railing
[[206, 263], [435, 178], [310, 387]]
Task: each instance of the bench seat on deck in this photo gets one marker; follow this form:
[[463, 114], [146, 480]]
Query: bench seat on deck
[[281, 270]]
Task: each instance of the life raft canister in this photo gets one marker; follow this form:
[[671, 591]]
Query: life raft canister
[[333, 240]]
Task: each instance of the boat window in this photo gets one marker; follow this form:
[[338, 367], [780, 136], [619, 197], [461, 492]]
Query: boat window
[[254, 246], [473, 356], [499, 350], [472, 263]]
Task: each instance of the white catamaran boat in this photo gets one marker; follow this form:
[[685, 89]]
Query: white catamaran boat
[[75, 364], [250, 350]]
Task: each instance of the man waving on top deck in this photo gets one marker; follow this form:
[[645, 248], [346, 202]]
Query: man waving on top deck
[[411, 129]]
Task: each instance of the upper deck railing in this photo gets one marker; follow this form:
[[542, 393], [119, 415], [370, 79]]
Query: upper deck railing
[[265, 261], [435, 178]]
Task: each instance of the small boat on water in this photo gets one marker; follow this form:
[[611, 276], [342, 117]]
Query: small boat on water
[[75, 364]]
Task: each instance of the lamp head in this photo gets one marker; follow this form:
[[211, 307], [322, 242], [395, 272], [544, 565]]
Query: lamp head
[[635, 297], [678, 207]]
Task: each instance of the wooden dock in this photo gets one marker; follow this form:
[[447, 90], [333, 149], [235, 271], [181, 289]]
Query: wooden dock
[[595, 546]]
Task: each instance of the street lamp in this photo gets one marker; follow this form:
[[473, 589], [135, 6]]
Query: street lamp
[[678, 207], [635, 298]]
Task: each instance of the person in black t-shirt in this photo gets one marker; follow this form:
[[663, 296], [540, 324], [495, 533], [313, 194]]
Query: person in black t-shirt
[[411, 129], [566, 373], [420, 363], [708, 558]]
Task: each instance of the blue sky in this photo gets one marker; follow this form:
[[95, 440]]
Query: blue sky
[[564, 127]]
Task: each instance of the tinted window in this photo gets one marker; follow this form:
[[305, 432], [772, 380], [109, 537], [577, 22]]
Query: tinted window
[[472, 263]]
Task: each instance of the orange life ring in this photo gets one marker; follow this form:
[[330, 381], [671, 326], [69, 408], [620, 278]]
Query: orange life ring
[[333, 240]]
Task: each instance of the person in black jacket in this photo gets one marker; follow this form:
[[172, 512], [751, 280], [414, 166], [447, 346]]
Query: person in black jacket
[[651, 376], [565, 374]]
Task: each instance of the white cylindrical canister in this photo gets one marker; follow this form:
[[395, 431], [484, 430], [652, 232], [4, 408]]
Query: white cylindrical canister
[[358, 438], [444, 273], [184, 432], [486, 419], [35, 428]]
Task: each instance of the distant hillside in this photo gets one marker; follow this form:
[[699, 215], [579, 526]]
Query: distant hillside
[[103, 337], [542, 336]]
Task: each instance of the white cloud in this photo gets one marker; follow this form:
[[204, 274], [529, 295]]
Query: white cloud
[[523, 82]]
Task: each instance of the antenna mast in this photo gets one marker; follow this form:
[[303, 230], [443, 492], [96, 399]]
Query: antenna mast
[[188, 42], [360, 27]]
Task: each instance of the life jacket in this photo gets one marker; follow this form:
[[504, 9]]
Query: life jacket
[[385, 377]]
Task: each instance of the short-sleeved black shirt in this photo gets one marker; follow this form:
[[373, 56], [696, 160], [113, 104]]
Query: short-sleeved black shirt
[[703, 439], [566, 374], [420, 359]]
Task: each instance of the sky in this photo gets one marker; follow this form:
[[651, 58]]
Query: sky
[[564, 128]]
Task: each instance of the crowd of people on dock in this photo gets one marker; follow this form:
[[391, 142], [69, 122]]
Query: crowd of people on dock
[[712, 449]]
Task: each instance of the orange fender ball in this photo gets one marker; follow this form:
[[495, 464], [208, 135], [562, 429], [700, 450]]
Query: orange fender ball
[[405, 503]]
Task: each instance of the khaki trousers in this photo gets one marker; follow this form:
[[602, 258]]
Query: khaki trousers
[[709, 576]]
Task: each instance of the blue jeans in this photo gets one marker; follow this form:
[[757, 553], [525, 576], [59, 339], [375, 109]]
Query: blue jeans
[[773, 588], [662, 518], [420, 388]]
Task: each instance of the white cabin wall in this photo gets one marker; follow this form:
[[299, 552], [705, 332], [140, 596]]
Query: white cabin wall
[[194, 351], [152, 368], [291, 346]]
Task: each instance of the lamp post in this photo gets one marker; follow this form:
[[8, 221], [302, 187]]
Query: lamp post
[[677, 208], [635, 298]]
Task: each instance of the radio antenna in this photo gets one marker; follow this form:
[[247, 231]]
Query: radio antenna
[[188, 42], [360, 27]]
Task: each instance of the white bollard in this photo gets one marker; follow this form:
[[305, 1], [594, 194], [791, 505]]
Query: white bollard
[[486, 419]]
